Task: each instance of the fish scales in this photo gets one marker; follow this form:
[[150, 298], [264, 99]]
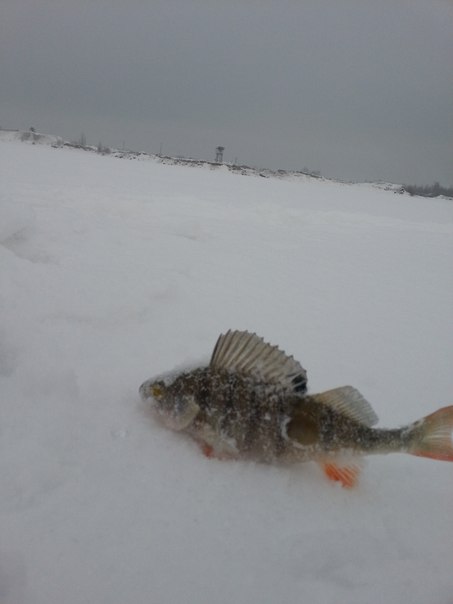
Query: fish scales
[[312, 421], [249, 415]]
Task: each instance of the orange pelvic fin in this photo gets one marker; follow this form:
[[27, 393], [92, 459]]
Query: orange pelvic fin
[[210, 452], [207, 450], [435, 435], [346, 474]]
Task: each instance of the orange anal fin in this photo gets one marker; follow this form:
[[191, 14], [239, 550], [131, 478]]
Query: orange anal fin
[[346, 475]]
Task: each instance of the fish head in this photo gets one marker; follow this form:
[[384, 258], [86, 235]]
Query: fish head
[[175, 409]]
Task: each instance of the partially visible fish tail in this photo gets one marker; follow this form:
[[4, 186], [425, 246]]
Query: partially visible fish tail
[[432, 436]]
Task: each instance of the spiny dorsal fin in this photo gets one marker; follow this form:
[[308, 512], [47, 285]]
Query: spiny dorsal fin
[[348, 401], [250, 355]]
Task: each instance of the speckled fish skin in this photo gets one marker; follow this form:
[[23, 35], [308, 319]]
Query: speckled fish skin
[[251, 402], [236, 415], [265, 423], [321, 431]]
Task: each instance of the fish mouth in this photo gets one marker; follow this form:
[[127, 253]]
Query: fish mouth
[[144, 390]]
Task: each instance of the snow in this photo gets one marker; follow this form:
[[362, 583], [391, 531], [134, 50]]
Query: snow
[[30, 136], [113, 271]]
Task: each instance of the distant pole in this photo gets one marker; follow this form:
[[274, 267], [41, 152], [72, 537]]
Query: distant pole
[[160, 150]]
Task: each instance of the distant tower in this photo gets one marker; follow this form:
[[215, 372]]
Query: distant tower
[[219, 154]]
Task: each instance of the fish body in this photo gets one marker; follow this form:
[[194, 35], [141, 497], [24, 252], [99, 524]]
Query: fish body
[[251, 402]]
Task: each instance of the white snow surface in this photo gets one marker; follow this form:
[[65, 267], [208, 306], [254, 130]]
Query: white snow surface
[[112, 271]]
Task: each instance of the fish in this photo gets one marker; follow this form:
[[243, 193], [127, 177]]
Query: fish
[[251, 402]]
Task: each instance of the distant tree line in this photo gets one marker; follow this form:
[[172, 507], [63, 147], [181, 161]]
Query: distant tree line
[[429, 190]]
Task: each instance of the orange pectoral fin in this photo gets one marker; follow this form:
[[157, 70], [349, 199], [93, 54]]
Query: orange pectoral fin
[[346, 475]]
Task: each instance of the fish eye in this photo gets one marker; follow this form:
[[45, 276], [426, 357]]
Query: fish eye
[[157, 390]]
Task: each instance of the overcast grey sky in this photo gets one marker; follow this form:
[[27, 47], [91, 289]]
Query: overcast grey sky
[[358, 89]]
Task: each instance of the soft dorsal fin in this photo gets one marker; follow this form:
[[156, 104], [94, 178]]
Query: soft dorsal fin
[[250, 355], [348, 401]]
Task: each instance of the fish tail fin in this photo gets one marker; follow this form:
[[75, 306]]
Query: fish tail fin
[[432, 436]]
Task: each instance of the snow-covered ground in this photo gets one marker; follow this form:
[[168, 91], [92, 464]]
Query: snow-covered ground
[[112, 271]]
